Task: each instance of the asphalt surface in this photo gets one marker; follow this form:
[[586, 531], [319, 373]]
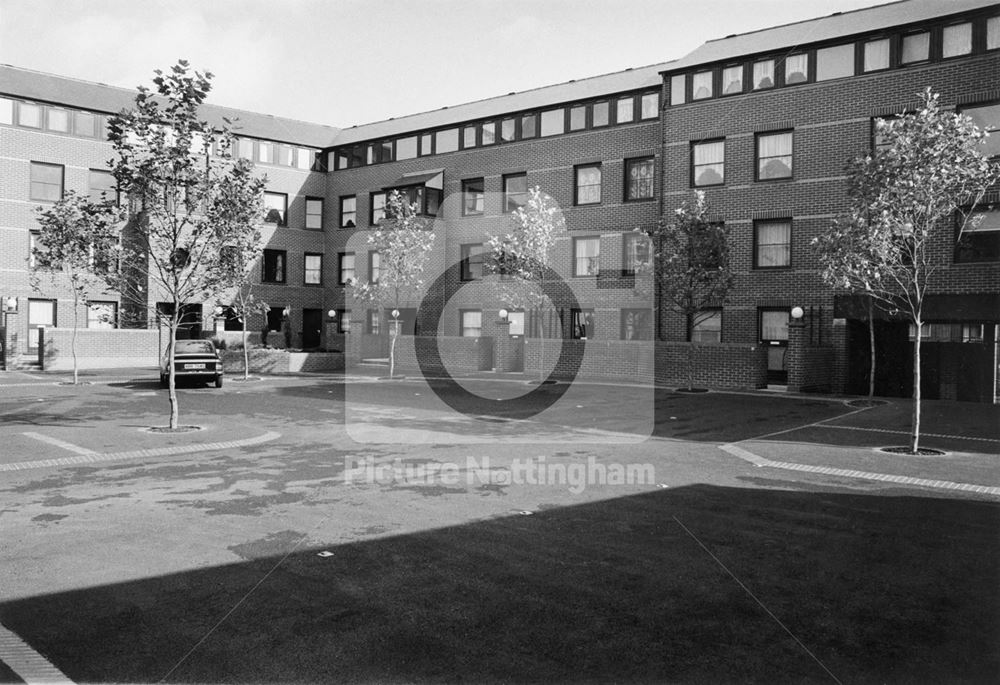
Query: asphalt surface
[[106, 523]]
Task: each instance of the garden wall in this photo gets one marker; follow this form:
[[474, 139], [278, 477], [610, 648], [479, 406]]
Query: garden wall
[[99, 348]]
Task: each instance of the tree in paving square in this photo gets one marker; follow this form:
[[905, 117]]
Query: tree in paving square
[[403, 242], [76, 247], [689, 265], [192, 206], [242, 302], [910, 200], [521, 258]]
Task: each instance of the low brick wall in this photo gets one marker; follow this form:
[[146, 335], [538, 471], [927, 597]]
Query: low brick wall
[[279, 361], [810, 369], [99, 348], [462, 355], [716, 365]]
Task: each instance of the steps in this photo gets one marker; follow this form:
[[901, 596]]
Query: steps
[[24, 363]]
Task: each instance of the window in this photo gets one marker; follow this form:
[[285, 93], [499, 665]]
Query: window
[[314, 212], [29, 115], [304, 159], [348, 211], [708, 163], [637, 324], [706, 326], [677, 83], [529, 126], [973, 333], [446, 141], [586, 256], [265, 152], [102, 315], [6, 111], [773, 324], [980, 242], [993, 33], [508, 130], [346, 275], [46, 182], [274, 266], [471, 323], [472, 262], [987, 117], [374, 323], [378, 207], [426, 144], [488, 132], [588, 184], [577, 118], [701, 85], [796, 68], [276, 208], [581, 324], [282, 155], [313, 269], [103, 186], [625, 110], [835, 62], [343, 320], [916, 47], [57, 120], [649, 106], [406, 148], [763, 74], [599, 114], [468, 137], [635, 252], [774, 155], [773, 244], [85, 124], [244, 148], [516, 322], [32, 244], [515, 191], [732, 80], [473, 197], [374, 265], [876, 55], [639, 176], [956, 40], [553, 122]]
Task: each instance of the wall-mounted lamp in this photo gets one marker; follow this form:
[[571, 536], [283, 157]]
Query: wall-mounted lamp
[[218, 310], [797, 313], [332, 314], [10, 305], [503, 314], [395, 313]]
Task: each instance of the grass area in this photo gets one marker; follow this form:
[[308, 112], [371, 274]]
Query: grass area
[[880, 589]]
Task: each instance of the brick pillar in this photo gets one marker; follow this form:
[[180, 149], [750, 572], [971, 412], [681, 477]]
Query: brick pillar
[[503, 358], [795, 357], [352, 339], [838, 341], [10, 350]]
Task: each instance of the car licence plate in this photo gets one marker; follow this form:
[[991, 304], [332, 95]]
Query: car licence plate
[[194, 366]]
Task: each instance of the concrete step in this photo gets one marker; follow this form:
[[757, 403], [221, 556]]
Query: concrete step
[[24, 363]]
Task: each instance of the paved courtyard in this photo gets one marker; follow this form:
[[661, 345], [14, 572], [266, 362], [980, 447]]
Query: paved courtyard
[[320, 529]]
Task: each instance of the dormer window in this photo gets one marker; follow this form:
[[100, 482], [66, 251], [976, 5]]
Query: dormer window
[[732, 80], [763, 74], [797, 68], [701, 85]]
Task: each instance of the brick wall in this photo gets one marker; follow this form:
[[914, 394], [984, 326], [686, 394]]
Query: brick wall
[[99, 349], [458, 355]]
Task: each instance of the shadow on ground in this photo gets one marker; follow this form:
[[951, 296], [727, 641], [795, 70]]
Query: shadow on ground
[[880, 589]]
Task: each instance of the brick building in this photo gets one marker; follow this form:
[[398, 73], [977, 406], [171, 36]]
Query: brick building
[[763, 122]]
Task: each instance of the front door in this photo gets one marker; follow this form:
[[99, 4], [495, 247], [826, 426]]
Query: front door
[[774, 336], [41, 314], [312, 324]]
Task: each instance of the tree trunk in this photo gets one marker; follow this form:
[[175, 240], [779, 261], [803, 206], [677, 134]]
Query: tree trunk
[[871, 347], [72, 344], [246, 352], [541, 345], [915, 420], [392, 347], [690, 369], [172, 385]]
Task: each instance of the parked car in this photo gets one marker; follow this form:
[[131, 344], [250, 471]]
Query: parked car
[[196, 359]]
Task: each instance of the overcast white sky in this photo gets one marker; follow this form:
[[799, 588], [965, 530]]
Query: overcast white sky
[[345, 62]]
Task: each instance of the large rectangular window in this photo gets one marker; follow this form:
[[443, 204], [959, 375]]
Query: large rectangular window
[[348, 211], [625, 110], [586, 256], [581, 324], [377, 207], [708, 163], [763, 74], [578, 118], [701, 85], [102, 315], [553, 122], [956, 40], [274, 263], [980, 241], [600, 114], [313, 269], [473, 197], [706, 326], [637, 324], [374, 266], [987, 118], [772, 244], [6, 111], [515, 191], [488, 132], [406, 148], [276, 208], [876, 55], [314, 213], [835, 62], [346, 273], [993, 33], [732, 80], [46, 182], [57, 120], [472, 261], [103, 187], [649, 105], [587, 190], [678, 82], [916, 47], [639, 176], [797, 68], [635, 252], [29, 115], [471, 323], [446, 141], [774, 155]]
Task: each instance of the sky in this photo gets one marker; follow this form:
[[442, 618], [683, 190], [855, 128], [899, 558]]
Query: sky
[[346, 62]]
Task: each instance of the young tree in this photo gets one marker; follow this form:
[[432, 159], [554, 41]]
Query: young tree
[[521, 257], [243, 302], [403, 242], [76, 246], [689, 264], [192, 204], [905, 201]]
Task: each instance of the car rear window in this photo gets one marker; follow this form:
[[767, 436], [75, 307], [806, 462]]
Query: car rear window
[[195, 347]]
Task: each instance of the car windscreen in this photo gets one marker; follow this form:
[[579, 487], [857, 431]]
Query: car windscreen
[[195, 347]]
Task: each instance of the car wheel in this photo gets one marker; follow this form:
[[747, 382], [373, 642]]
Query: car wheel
[[218, 381]]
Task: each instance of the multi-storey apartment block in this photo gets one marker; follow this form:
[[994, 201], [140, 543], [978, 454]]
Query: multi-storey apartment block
[[764, 123]]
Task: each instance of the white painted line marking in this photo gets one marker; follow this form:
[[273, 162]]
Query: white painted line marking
[[31, 666], [60, 443]]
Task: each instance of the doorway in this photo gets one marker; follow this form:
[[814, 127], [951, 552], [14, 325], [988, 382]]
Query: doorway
[[312, 325], [773, 325]]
